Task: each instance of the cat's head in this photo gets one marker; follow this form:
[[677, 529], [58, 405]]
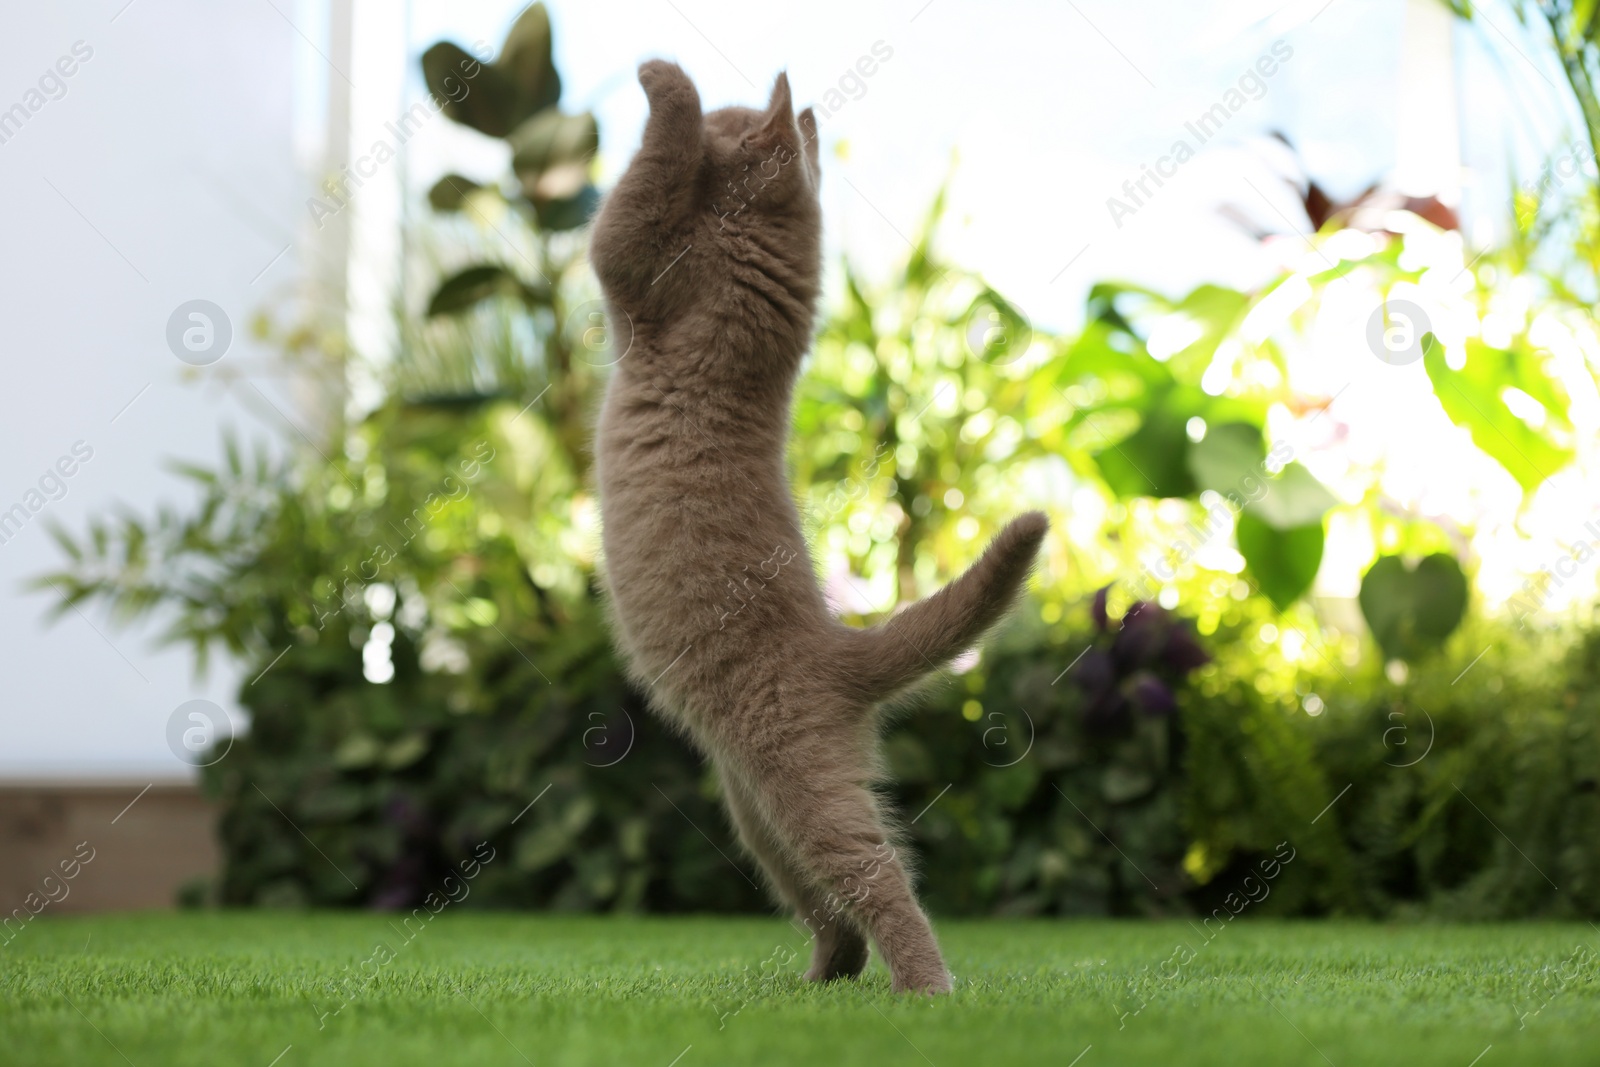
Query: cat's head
[[760, 162], [706, 192]]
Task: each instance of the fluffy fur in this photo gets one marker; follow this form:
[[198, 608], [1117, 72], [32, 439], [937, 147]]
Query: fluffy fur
[[710, 246]]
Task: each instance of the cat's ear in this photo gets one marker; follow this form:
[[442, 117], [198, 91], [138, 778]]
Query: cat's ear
[[778, 123], [808, 139]]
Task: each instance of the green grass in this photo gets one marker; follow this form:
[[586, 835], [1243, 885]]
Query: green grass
[[218, 988]]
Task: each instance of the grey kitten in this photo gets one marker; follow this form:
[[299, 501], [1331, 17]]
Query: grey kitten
[[711, 246]]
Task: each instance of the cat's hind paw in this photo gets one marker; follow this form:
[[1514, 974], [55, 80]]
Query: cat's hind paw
[[932, 985]]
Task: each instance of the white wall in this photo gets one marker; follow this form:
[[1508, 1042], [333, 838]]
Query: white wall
[[165, 173]]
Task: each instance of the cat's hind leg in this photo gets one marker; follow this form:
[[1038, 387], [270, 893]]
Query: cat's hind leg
[[838, 948], [810, 785]]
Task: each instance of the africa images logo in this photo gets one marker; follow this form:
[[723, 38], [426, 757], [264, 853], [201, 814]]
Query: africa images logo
[[1251, 85], [52, 486]]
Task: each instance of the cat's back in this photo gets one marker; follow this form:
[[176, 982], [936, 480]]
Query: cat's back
[[699, 531]]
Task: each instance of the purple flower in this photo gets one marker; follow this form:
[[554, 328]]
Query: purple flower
[[1141, 637], [1151, 694], [1094, 672], [1184, 652], [1138, 665], [1097, 610]]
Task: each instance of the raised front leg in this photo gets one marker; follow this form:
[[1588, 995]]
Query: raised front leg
[[644, 222], [672, 136]]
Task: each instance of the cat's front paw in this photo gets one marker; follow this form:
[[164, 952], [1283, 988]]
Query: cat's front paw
[[659, 78]]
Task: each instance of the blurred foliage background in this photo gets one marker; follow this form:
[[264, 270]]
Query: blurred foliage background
[[429, 665]]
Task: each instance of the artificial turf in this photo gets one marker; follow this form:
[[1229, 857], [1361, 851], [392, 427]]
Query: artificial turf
[[290, 988]]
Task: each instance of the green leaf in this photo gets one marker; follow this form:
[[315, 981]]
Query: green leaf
[[405, 752], [540, 846], [494, 98], [1283, 562], [1093, 355], [1154, 459], [1412, 611], [1102, 306], [526, 62], [1472, 397], [1294, 498], [469, 92], [475, 284], [1581, 26], [451, 191], [1228, 455], [551, 152], [997, 330], [920, 267], [357, 750], [1121, 782], [64, 541], [1217, 312], [1150, 461], [556, 216]]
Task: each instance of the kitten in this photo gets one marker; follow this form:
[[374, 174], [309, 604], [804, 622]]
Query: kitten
[[711, 246]]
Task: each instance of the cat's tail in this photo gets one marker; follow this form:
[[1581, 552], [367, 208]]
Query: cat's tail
[[926, 636]]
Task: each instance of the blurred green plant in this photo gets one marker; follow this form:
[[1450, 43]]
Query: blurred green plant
[[1561, 213], [428, 668], [1049, 777], [522, 247], [1473, 787], [515, 99]]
